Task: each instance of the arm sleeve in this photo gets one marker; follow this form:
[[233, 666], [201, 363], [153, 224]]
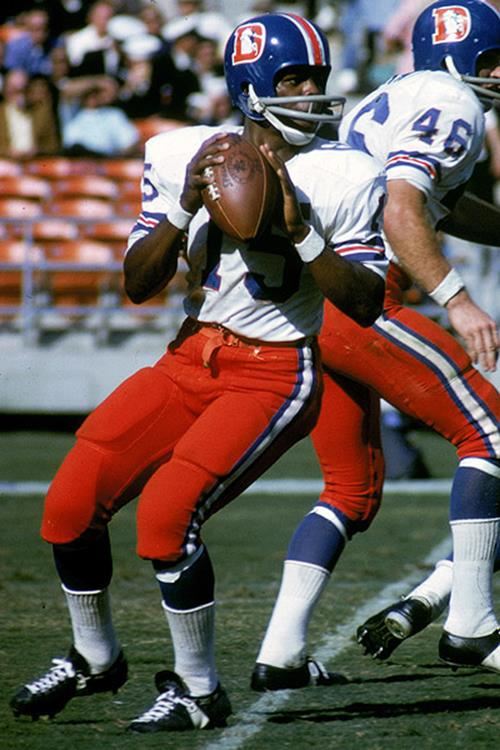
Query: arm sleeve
[[157, 195], [436, 147], [356, 232]]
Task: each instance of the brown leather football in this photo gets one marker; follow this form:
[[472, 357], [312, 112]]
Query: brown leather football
[[242, 197]]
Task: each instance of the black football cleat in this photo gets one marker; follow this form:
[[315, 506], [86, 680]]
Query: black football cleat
[[484, 651], [311, 673], [381, 634], [68, 678], [176, 711]]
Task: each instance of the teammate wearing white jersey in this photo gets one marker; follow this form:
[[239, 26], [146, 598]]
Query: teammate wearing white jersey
[[426, 128], [237, 387]]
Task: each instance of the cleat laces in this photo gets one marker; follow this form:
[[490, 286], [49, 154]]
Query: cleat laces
[[166, 704], [162, 707], [56, 675]]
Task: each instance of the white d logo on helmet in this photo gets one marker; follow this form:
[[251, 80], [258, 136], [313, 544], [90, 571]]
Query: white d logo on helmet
[[452, 23], [249, 41]]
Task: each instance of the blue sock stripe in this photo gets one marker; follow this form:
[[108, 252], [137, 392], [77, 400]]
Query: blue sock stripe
[[475, 493], [317, 541], [188, 587]]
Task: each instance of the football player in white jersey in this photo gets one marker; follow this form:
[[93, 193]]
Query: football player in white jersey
[[237, 387], [426, 128]]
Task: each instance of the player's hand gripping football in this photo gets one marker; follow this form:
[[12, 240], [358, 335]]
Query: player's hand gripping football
[[294, 223], [197, 177]]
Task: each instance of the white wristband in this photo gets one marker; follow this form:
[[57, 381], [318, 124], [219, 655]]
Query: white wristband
[[447, 288], [311, 246], [178, 217]]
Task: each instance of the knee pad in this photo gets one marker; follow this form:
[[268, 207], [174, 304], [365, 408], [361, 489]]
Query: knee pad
[[72, 505]]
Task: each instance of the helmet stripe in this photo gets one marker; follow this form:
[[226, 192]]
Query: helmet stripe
[[315, 49]]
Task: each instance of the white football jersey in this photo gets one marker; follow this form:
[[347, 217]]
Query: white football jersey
[[423, 127], [261, 289]]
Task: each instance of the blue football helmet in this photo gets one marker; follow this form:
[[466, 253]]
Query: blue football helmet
[[259, 50], [451, 37]]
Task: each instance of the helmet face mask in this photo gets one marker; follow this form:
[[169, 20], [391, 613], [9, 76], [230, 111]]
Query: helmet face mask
[[264, 49], [454, 38]]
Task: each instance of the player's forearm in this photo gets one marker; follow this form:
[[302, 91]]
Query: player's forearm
[[152, 262], [414, 240], [354, 289]]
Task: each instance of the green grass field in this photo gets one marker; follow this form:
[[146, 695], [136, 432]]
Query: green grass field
[[411, 702]]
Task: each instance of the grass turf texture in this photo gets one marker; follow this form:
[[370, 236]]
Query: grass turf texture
[[411, 701]]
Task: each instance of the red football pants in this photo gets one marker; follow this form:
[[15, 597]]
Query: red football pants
[[415, 365], [188, 437]]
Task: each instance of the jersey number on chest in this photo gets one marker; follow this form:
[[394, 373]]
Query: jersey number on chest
[[274, 268]]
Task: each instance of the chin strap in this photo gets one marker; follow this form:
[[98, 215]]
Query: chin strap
[[270, 108]]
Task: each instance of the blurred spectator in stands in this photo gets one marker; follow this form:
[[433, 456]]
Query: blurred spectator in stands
[[139, 95], [67, 90], [213, 107], [207, 24], [31, 50], [41, 93], [9, 11], [94, 36], [176, 85], [154, 21], [207, 63], [361, 24], [398, 29], [66, 15], [3, 69], [183, 38], [107, 61], [26, 130], [399, 26], [122, 27], [100, 128]]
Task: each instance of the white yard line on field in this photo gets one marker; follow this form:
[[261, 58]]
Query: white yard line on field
[[274, 487], [250, 722]]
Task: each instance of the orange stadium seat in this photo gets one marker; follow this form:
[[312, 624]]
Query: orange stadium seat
[[57, 167], [129, 191], [19, 208], [123, 169], [130, 208], [25, 186], [113, 233], [79, 272], [19, 270], [53, 230], [129, 201], [10, 168], [82, 208], [41, 230], [92, 186], [150, 126]]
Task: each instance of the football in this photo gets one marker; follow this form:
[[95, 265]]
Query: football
[[242, 196]]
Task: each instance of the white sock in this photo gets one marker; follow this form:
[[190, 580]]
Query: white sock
[[94, 636], [193, 638], [285, 641], [436, 588], [471, 612]]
